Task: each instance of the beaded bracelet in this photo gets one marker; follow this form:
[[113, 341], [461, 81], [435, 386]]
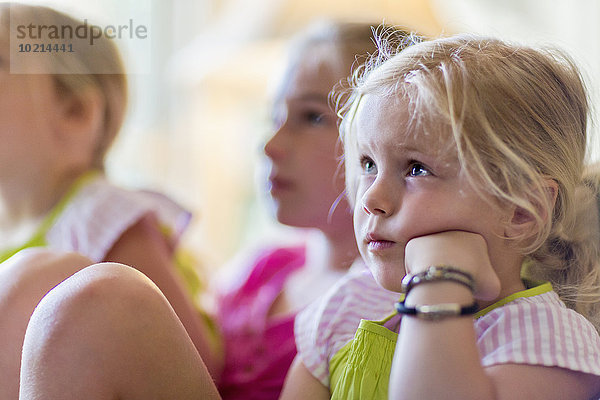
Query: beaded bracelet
[[438, 273], [437, 311]]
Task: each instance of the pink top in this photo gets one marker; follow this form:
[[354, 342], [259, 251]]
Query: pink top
[[538, 329], [258, 349]]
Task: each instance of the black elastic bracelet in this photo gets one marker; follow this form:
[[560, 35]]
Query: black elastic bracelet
[[437, 273], [436, 311]]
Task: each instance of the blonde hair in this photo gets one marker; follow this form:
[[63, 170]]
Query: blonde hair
[[517, 116], [78, 72]]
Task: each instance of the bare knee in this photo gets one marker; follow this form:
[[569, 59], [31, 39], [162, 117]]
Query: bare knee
[[108, 330], [86, 328], [25, 279], [98, 290], [97, 304]]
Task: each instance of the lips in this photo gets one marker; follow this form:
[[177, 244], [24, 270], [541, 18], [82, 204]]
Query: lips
[[278, 184], [378, 243]]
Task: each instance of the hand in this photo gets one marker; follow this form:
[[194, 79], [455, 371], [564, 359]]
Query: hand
[[463, 250]]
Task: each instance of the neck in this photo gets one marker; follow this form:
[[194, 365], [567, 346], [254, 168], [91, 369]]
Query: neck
[[335, 251], [24, 200], [509, 274]]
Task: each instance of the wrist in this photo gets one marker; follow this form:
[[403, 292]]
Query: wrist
[[439, 292], [436, 312], [437, 274]]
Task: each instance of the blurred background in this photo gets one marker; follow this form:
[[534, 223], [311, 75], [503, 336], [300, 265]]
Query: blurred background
[[200, 112]]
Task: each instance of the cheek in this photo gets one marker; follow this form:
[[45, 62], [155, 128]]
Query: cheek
[[356, 190], [317, 157], [324, 174], [359, 222], [421, 211]]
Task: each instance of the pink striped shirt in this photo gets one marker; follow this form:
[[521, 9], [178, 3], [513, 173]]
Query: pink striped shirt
[[532, 327], [538, 329]]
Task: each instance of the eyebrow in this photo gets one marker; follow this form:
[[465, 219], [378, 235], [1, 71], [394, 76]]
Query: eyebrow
[[407, 147], [308, 97], [316, 97], [411, 148]]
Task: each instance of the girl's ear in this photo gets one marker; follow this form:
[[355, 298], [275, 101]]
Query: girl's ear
[[81, 115], [523, 223], [79, 125]]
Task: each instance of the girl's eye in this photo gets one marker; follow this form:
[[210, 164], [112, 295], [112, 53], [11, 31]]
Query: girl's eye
[[417, 169], [314, 118], [368, 165]]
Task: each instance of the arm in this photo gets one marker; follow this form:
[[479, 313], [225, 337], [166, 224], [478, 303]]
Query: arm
[[440, 359], [536, 382], [301, 384], [443, 361], [144, 247]]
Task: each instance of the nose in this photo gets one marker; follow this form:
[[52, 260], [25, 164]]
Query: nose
[[275, 147], [379, 199]]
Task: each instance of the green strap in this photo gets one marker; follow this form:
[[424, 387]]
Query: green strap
[[39, 237], [534, 291]]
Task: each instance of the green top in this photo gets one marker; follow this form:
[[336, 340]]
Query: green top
[[361, 369]]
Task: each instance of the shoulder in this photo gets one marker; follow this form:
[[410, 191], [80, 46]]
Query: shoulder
[[100, 197], [539, 330], [99, 213], [326, 325]]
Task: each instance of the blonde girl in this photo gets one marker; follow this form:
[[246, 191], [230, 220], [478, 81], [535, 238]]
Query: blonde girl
[[465, 163]]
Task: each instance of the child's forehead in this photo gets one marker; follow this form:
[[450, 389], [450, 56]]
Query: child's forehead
[[309, 74], [383, 114], [317, 63], [390, 120]]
